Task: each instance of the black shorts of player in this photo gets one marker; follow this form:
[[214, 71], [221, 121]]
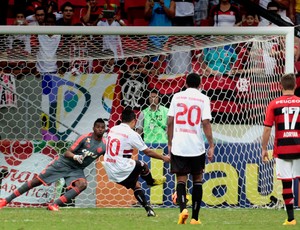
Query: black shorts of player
[[186, 165], [133, 177]]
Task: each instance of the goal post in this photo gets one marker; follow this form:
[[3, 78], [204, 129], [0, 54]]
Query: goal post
[[100, 70]]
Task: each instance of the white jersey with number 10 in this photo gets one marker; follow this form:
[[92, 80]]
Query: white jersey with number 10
[[121, 141], [189, 108]]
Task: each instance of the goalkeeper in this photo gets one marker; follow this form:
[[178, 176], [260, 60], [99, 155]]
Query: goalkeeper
[[70, 166]]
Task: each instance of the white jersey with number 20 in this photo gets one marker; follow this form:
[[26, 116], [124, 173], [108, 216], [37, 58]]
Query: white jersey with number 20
[[121, 141], [189, 108]]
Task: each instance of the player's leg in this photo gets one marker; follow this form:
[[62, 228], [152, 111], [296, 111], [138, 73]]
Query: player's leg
[[197, 167], [21, 190], [131, 182], [147, 176], [181, 197], [141, 198], [284, 171], [181, 190], [47, 176], [196, 198], [288, 198], [180, 166], [76, 184]]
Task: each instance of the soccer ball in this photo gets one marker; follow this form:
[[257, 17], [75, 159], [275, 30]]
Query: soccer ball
[[188, 198]]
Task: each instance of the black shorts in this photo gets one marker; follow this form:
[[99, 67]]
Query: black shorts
[[186, 165], [131, 180]]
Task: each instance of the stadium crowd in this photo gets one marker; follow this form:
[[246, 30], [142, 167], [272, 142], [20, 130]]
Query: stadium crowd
[[151, 12], [131, 13]]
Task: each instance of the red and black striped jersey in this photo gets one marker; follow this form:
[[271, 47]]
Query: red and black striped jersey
[[283, 112]]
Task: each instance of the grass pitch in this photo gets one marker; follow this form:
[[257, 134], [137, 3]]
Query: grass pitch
[[135, 218]]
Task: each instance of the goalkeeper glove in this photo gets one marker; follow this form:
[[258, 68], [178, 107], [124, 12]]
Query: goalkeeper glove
[[78, 158]]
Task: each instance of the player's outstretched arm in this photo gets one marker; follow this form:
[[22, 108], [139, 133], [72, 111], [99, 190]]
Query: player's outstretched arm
[[151, 153]]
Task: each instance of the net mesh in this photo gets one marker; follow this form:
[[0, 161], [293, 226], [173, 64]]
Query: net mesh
[[54, 87]]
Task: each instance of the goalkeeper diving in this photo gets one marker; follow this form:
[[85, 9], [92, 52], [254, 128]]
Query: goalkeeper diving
[[86, 149]]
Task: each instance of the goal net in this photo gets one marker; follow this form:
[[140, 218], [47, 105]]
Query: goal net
[[56, 81]]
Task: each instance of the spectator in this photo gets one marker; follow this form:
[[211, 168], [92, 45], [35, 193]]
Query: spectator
[[48, 8], [152, 121], [68, 19], [67, 15], [143, 67], [283, 5], [38, 19], [80, 45], [218, 60], [20, 21], [3, 12], [159, 13], [274, 7], [48, 44], [160, 64], [295, 11], [249, 19], [17, 60], [224, 14], [201, 11], [180, 58], [89, 15], [184, 14], [112, 42], [31, 5]]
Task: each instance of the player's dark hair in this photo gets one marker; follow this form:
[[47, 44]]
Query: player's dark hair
[[288, 81], [128, 115], [99, 120], [193, 80]]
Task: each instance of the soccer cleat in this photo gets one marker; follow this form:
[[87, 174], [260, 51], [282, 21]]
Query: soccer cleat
[[53, 207], [3, 203], [193, 221], [150, 212], [183, 216], [286, 222], [159, 181]]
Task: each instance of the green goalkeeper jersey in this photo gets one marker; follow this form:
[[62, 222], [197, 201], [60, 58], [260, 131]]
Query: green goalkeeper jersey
[[155, 124]]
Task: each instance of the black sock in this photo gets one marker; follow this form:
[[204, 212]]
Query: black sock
[[181, 195], [67, 197], [290, 211], [288, 198], [148, 178], [18, 192], [196, 199], [140, 196]]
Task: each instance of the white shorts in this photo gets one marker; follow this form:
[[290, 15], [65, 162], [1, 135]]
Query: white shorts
[[287, 168]]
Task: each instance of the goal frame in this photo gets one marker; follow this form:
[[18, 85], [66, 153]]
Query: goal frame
[[288, 32]]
